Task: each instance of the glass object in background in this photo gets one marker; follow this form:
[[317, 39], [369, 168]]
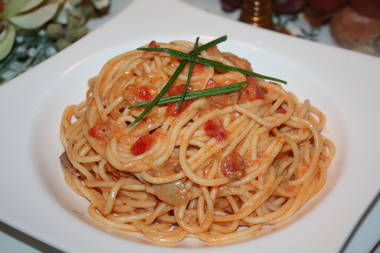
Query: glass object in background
[[257, 13]]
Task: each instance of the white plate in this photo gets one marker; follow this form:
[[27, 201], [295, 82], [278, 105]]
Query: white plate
[[344, 84]]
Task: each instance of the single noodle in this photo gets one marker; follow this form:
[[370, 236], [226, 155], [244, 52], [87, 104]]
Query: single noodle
[[223, 169]]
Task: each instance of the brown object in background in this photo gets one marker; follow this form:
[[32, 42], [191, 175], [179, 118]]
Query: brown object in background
[[369, 8], [257, 13], [314, 17], [327, 6], [319, 12], [231, 5], [356, 32], [287, 6]]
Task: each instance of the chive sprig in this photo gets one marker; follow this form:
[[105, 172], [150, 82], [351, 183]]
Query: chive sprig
[[211, 63], [189, 75], [174, 77], [193, 58], [197, 94]]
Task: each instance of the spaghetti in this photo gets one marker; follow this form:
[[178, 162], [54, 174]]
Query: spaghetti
[[222, 169]]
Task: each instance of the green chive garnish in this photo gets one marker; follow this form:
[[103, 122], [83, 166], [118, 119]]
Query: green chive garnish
[[162, 92], [174, 77], [211, 63], [189, 74], [193, 58], [196, 94]]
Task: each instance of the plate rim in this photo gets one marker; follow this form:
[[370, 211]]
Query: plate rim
[[115, 23]]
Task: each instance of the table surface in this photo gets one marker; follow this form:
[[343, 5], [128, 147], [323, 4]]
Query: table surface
[[368, 233]]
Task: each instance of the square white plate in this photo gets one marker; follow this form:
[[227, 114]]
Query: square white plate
[[343, 84]]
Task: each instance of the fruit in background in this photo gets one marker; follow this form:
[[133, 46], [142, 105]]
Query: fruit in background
[[314, 17], [355, 31], [369, 8], [326, 6], [319, 12]]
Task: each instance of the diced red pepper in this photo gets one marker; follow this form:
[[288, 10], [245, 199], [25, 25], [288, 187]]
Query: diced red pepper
[[143, 144], [175, 90], [171, 110], [211, 84], [144, 93], [153, 44], [102, 131], [214, 129], [233, 165], [255, 92], [281, 109], [198, 69]]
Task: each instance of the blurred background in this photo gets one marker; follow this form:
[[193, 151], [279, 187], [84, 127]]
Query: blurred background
[[34, 30], [352, 24]]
